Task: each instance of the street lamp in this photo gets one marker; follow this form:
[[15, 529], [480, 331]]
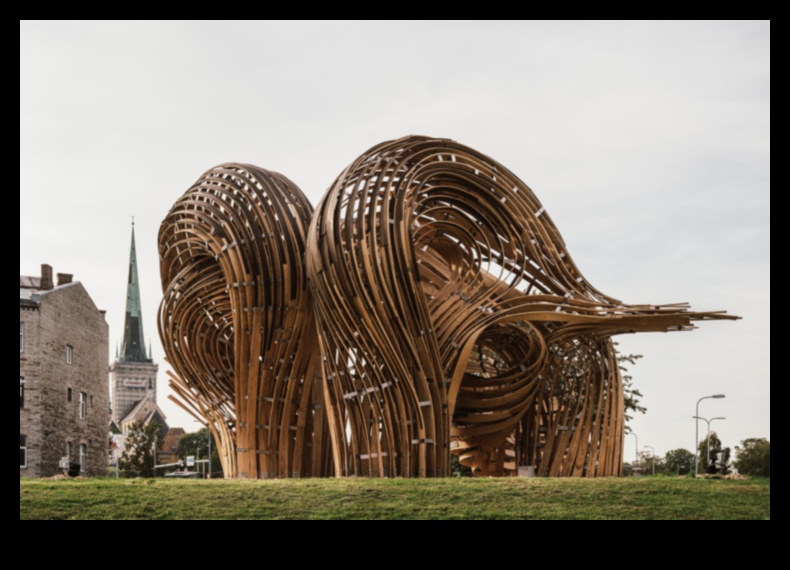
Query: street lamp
[[696, 432], [636, 449], [653, 455], [707, 462], [209, 454]]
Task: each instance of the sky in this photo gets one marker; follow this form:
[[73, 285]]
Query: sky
[[648, 143]]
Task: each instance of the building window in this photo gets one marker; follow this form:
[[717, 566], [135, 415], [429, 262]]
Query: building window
[[21, 392], [83, 456], [21, 337], [69, 354], [22, 450], [83, 405], [68, 394]]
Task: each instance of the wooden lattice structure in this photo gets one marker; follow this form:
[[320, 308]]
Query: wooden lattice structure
[[237, 324], [448, 318]]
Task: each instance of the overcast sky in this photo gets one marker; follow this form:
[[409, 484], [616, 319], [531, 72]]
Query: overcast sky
[[647, 142]]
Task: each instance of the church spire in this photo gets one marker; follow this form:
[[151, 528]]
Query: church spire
[[133, 348]]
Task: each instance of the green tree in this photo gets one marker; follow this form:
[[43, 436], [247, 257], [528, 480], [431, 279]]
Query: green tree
[[458, 470], [575, 361], [632, 395], [754, 457], [678, 461], [646, 460], [715, 449], [196, 443], [139, 455]]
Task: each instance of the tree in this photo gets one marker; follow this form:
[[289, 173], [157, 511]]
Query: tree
[[631, 394], [458, 470], [678, 461], [196, 443], [715, 449], [754, 457], [647, 461], [139, 456]]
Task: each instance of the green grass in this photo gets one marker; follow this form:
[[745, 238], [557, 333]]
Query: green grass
[[373, 499]]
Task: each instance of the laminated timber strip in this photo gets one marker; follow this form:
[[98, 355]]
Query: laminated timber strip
[[444, 315]]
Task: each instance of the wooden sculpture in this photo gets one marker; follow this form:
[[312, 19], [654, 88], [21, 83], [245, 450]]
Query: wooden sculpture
[[449, 315], [236, 321]]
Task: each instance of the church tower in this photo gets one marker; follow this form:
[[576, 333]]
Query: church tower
[[133, 374]]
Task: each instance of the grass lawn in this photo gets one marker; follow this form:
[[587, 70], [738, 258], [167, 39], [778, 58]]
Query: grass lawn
[[635, 498]]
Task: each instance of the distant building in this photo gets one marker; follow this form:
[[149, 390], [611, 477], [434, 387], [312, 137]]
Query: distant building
[[168, 450], [145, 411], [63, 391], [133, 374]]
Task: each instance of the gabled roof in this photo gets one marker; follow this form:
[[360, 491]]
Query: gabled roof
[[28, 282], [146, 410]]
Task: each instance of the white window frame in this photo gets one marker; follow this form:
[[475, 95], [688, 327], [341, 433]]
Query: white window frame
[[69, 354], [21, 337], [22, 451], [83, 456], [83, 405]]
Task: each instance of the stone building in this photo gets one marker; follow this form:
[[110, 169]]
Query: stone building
[[133, 374], [63, 388]]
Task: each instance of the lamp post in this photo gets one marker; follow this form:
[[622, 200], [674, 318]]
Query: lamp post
[[696, 432], [653, 455], [636, 449], [707, 437], [209, 454]]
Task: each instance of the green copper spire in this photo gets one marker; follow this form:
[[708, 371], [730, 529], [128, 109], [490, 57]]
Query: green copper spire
[[133, 349]]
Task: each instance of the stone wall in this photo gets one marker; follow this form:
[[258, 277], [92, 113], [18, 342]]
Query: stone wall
[[65, 317]]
